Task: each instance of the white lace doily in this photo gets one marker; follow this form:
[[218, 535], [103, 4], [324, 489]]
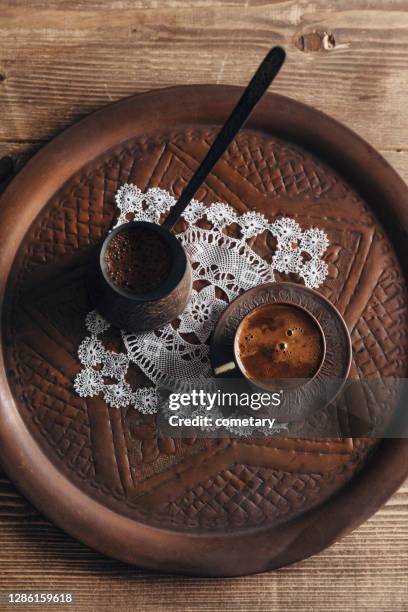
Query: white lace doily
[[223, 267]]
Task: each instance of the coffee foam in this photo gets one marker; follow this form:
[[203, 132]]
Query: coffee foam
[[279, 341]]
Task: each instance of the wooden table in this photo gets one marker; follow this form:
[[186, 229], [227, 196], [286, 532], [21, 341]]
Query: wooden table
[[59, 60]]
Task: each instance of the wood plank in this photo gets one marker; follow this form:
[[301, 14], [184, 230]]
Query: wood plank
[[62, 61]]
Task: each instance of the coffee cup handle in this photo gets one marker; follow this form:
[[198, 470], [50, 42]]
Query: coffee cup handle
[[229, 366]]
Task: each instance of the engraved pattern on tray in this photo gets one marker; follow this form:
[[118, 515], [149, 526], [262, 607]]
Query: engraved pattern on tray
[[115, 456]]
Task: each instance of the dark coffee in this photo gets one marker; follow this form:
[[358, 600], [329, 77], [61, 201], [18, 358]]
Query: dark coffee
[[279, 341], [138, 260]]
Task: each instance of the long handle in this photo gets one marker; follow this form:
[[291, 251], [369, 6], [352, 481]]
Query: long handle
[[258, 85]]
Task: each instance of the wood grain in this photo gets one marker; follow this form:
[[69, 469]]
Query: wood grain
[[61, 60]]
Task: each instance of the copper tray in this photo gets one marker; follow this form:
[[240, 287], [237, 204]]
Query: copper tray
[[216, 507]]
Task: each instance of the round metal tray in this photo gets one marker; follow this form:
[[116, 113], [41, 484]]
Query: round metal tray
[[215, 507]]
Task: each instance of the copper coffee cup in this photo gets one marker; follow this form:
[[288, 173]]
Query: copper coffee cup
[[313, 378]]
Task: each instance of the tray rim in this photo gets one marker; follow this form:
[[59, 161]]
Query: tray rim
[[72, 509]]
